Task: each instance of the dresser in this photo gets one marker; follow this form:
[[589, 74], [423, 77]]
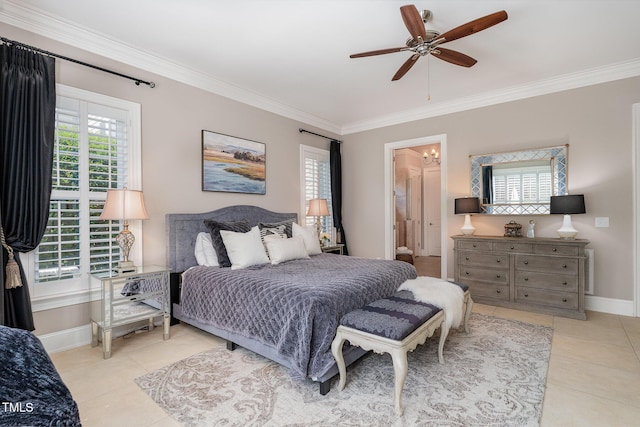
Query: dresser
[[544, 275]]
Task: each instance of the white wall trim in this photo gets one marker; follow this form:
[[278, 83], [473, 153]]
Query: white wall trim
[[67, 339], [389, 147], [34, 20], [635, 149], [608, 305]]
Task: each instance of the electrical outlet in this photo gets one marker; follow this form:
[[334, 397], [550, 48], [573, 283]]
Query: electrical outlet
[[602, 222]]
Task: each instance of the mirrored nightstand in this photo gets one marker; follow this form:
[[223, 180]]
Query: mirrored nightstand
[[338, 248]]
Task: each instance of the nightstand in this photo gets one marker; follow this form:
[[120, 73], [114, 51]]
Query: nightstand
[[125, 298], [338, 248]]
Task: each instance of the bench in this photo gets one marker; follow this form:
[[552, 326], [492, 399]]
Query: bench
[[393, 325]]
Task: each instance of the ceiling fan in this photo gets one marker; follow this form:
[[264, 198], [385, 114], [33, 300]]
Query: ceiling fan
[[424, 42]]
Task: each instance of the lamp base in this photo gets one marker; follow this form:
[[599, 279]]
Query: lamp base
[[467, 228], [567, 232], [125, 267]]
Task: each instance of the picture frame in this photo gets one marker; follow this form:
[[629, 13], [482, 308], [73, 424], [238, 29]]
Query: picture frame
[[233, 165]]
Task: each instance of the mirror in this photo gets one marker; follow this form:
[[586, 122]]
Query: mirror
[[519, 182]]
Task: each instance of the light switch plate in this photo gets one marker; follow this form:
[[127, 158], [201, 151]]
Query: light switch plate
[[602, 222]]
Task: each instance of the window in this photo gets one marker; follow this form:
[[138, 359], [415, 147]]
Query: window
[[315, 177], [531, 184], [97, 147]]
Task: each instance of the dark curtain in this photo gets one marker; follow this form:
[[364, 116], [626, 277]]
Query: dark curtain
[[487, 187], [27, 121], [335, 160]]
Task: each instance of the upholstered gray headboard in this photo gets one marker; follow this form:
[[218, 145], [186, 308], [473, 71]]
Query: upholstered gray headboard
[[183, 228]]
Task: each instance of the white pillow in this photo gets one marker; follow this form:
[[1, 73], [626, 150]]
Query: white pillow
[[205, 252], [281, 250], [244, 249], [310, 238]]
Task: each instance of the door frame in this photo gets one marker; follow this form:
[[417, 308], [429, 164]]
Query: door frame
[[389, 207]]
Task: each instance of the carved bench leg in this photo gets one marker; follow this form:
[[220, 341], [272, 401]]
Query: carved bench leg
[[400, 368], [336, 349], [467, 314], [444, 332]]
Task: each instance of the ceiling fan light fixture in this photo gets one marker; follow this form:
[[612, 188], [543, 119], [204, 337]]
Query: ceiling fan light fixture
[[426, 15]]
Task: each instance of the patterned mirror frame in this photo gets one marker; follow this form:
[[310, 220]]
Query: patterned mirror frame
[[556, 155]]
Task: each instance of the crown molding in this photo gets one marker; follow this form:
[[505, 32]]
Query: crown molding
[[37, 22], [565, 82]]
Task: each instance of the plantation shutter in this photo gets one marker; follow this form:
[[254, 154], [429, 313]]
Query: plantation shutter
[[90, 156], [317, 184]]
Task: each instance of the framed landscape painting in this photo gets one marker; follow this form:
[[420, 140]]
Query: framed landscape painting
[[232, 164]]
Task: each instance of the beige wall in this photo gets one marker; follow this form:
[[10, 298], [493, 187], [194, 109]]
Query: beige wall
[[594, 121], [173, 116]]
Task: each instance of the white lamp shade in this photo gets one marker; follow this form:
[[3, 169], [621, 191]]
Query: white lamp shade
[[318, 207], [124, 204]]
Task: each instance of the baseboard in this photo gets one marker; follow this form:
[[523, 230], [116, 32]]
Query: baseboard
[[66, 339], [609, 305]]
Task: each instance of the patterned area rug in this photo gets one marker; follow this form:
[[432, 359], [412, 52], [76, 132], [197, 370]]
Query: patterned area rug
[[493, 376]]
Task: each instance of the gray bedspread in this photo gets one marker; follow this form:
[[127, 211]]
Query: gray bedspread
[[294, 307]]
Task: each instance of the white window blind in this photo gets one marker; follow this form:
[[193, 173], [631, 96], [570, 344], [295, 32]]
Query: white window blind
[[522, 185], [316, 183], [92, 153]]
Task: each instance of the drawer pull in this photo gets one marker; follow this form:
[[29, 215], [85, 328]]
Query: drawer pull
[[554, 250], [466, 258], [498, 276], [564, 265], [512, 248], [474, 245], [466, 272], [526, 279], [565, 283], [498, 260], [498, 291], [526, 262], [564, 300], [526, 295]]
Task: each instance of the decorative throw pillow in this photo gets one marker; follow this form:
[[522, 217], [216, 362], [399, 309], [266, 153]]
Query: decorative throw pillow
[[310, 237], [281, 250], [279, 230], [214, 228], [287, 226], [204, 252], [244, 249]]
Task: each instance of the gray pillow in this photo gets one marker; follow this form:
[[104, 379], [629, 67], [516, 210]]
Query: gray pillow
[[214, 228]]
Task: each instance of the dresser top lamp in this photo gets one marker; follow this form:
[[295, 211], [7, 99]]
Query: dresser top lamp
[[567, 206], [124, 204], [467, 206]]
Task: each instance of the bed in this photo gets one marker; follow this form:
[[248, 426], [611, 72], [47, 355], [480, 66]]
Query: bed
[[32, 392], [287, 312]]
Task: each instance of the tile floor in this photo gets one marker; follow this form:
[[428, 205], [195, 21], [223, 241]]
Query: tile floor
[[593, 377]]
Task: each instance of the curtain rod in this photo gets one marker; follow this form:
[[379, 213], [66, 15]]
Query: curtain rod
[[317, 134], [95, 67]]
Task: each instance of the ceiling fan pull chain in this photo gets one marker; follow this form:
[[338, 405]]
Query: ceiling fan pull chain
[[428, 79]]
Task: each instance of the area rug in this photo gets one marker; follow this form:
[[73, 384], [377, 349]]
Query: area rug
[[494, 376]]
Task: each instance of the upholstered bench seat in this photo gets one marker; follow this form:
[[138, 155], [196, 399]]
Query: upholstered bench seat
[[393, 325]]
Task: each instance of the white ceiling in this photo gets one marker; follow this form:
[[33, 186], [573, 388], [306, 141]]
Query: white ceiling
[[292, 56]]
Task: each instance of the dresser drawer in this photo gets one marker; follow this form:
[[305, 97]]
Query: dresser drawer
[[512, 247], [553, 282], [499, 277], [488, 290], [551, 249], [556, 265], [474, 244], [483, 259], [567, 301]]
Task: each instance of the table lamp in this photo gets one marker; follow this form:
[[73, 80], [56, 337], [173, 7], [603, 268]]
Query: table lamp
[[567, 205], [124, 204], [318, 208], [467, 206]]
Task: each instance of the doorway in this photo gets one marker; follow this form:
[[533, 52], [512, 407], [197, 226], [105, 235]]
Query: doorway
[[430, 238]]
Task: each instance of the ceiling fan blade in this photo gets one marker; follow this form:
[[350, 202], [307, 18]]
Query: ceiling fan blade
[[378, 52], [474, 26], [413, 21], [453, 57], [406, 67]]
